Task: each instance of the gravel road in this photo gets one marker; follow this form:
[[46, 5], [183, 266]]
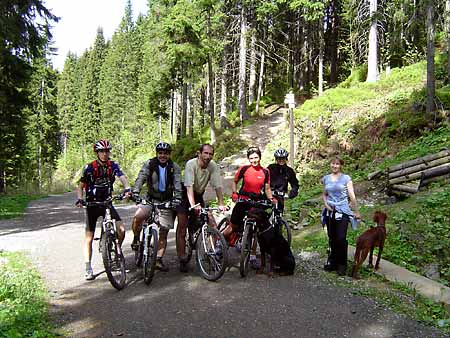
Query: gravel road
[[185, 305]]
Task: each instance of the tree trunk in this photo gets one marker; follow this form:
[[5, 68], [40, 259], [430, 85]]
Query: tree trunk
[[242, 63], [261, 79], [431, 107], [224, 124], [372, 59], [447, 10], [321, 48], [335, 7], [419, 160], [252, 75], [190, 112], [184, 104], [419, 167], [211, 102]]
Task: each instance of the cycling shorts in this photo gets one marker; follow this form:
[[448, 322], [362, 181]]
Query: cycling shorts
[[94, 212]]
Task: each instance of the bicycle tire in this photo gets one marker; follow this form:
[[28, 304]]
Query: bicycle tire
[[285, 230], [139, 253], [247, 241], [151, 243], [189, 246], [113, 261], [213, 261]]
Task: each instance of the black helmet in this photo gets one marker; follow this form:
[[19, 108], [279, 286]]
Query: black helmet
[[281, 153], [163, 146], [102, 145]]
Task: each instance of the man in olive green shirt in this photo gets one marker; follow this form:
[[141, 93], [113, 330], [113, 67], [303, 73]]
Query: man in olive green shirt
[[198, 173]]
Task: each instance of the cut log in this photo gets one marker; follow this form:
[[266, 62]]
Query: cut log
[[436, 171], [412, 189], [419, 167], [374, 174], [399, 193], [424, 159], [427, 181]]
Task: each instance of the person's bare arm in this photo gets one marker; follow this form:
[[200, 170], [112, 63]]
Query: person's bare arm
[[353, 201]]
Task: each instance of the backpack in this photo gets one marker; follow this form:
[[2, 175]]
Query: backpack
[[98, 187], [109, 172]]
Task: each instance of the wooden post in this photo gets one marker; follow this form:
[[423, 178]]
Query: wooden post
[[291, 137]]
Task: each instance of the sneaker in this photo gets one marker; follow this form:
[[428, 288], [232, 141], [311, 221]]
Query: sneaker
[[254, 263], [160, 265], [183, 266], [89, 275]]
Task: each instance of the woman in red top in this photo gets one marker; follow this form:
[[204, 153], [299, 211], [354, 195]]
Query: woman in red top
[[255, 186]]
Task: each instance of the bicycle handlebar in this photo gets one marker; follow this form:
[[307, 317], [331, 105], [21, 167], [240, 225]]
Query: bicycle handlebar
[[259, 204], [161, 205], [104, 203], [207, 209]]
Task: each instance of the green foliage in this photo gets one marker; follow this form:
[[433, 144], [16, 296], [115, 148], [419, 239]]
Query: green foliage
[[14, 206], [23, 299]]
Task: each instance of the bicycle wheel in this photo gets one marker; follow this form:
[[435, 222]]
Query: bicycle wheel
[[188, 243], [211, 254], [139, 253], [247, 243], [150, 251], [285, 230], [113, 261]]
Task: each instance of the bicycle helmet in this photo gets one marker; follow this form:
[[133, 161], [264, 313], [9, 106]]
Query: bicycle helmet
[[102, 145], [281, 153], [163, 146]]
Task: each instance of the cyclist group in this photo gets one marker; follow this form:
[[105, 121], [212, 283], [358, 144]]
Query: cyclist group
[[163, 180]]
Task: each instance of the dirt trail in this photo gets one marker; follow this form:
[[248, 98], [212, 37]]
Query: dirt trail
[[258, 134]]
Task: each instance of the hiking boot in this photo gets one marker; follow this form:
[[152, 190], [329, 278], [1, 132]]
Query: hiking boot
[[89, 275], [341, 270], [254, 262], [329, 267], [183, 266], [160, 265]]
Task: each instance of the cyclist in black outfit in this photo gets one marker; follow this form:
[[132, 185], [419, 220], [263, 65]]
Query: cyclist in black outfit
[[280, 176]]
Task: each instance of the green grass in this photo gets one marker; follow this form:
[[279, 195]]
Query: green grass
[[14, 206], [23, 299]]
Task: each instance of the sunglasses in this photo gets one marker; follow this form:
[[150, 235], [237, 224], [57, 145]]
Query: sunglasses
[[104, 151]]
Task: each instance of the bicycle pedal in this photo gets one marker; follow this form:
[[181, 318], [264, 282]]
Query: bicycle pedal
[[96, 238]]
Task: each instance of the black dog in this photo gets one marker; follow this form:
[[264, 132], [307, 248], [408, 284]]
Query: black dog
[[272, 242]]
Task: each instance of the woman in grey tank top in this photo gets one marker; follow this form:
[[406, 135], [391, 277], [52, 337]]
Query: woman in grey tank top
[[337, 192]]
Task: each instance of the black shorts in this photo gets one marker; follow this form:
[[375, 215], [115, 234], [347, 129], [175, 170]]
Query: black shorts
[[94, 212], [184, 206]]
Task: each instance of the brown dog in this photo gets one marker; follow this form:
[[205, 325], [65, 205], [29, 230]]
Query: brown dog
[[368, 240]]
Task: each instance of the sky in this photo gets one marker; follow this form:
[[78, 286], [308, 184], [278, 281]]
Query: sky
[[79, 20]]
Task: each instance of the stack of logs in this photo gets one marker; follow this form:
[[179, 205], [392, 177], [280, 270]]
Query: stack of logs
[[408, 177]]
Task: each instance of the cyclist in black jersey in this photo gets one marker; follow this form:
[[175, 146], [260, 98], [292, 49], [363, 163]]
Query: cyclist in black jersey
[[281, 175]]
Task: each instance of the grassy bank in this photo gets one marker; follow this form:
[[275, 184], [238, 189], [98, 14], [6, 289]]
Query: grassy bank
[[14, 206], [23, 299]]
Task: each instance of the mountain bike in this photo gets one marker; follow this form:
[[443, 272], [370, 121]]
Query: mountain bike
[[211, 250], [277, 220], [146, 253], [112, 256], [246, 240]]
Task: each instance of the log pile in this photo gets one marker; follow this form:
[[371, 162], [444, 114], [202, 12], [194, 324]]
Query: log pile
[[408, 177]]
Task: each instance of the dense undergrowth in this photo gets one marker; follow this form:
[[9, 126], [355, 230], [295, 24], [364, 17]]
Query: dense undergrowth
[[372, 127], [23, 299]]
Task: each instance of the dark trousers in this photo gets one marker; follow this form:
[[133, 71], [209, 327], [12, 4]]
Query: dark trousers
[[337, 239]]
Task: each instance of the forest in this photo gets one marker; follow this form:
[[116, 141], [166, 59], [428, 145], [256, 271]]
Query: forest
[[189, 71]]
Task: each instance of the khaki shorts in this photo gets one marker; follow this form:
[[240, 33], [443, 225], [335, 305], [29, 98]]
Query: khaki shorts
[[166, 216]]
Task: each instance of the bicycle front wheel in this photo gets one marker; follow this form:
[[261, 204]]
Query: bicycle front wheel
[[150, 251], [211, 254], [247, 244], [285, 230], [113, 261]]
